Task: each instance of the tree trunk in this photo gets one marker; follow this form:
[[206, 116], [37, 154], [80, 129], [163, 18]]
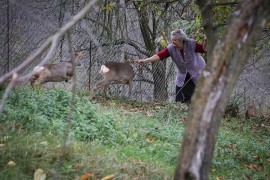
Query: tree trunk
[[214, 89], [208, 24], [159, 68]]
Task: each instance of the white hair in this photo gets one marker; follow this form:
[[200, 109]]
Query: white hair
[[179, 34]]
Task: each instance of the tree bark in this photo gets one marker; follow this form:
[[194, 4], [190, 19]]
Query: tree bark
[[159, 68], [214, 88], [208, 24]]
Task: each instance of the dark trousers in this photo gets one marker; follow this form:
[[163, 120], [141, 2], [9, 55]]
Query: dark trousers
[[184, 93]]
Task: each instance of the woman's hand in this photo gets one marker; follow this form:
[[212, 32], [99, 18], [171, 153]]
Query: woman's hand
[[147, 60], [139, 61]]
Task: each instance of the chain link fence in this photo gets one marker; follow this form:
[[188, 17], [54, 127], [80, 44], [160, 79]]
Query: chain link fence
[[25, 25]]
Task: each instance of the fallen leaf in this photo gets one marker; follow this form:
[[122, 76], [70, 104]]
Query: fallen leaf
[[109, 177], [256, 158], [148, 114], [219, 178], [39, 175], [150, 139], [86, 176], [266, 127], [231, 147], [2, 145], [258, 167], [250, 166], [238, 154], [78, 166], [11, 164], [45, 143]]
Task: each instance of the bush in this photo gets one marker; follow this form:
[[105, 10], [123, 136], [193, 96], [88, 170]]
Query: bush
[[43, 110]]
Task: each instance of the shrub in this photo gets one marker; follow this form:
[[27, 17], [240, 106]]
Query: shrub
[[43, 110]]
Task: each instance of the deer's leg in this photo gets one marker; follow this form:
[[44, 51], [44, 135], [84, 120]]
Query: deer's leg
[[33, 79], [40, 80], [32, 82], [105, 89], [67, 78], [101, 84]]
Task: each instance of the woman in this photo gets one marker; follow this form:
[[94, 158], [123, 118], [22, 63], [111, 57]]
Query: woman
[[184, 52]]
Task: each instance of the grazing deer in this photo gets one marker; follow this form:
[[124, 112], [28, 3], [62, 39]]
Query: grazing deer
[[62, 71], [119, 72]]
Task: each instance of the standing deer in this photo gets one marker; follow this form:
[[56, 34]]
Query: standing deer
[[119, 72], [62, 71]]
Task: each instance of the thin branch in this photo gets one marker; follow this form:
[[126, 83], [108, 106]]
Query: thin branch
[[131, 43], [72, 100], [46, 59], [102, 25], [121, 42], [8, 89]]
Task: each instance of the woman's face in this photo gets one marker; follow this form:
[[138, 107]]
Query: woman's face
[[176, 42]]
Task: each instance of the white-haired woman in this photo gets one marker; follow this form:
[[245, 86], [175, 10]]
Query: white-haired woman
[[184, 52]]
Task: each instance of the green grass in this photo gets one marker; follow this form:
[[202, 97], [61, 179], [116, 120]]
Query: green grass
[[132, 140]]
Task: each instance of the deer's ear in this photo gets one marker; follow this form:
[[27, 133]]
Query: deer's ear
[[73, 51]]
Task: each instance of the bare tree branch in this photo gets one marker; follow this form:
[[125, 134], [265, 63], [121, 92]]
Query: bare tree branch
[[131, 43], [72, 102], [8, 89]]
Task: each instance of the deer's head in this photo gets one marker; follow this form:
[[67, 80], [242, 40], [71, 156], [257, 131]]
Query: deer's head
[[77, 56]]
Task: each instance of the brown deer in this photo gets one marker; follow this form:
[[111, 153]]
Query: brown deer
[[118, 72], [62, 71]]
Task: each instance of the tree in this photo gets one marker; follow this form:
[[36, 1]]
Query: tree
[[227, 59]]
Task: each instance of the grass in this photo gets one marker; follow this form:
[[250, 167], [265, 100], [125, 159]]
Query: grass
[[126, 139]]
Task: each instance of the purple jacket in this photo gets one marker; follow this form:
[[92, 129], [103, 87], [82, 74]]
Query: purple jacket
[[192, 63]]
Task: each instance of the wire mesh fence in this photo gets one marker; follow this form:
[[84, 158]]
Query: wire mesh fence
[[25, 25]]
